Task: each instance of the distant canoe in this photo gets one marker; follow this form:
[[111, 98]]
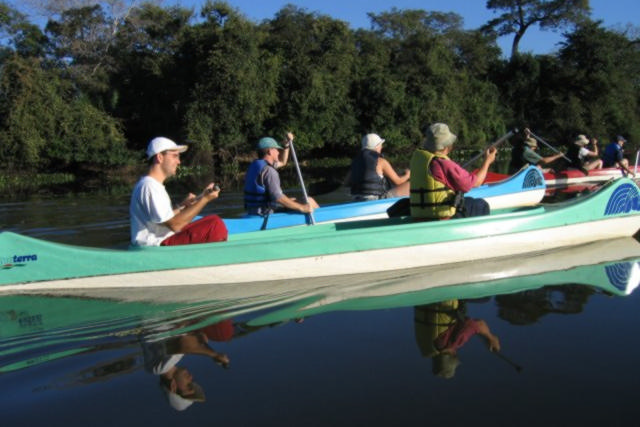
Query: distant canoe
[[525, 188], [569, 177]]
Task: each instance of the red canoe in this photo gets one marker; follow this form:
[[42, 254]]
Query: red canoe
[[569, 177]]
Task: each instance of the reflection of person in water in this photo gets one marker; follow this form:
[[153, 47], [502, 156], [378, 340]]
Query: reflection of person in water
[[161, 358], [442, 328]]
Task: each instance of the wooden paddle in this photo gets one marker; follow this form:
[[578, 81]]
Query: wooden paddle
[[499, 141], [304, 190]]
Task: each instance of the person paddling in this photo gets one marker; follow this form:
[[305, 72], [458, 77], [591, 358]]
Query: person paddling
[[526, 154], [438, 183], [263, 194]]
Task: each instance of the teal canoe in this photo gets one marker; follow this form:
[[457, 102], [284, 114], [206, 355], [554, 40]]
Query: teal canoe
[[324, 250]]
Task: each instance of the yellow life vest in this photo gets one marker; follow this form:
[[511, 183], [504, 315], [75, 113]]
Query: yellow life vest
[[429, 198], [430, 321]]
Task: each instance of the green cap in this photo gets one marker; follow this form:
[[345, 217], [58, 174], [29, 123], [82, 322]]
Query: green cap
[[268, 142]]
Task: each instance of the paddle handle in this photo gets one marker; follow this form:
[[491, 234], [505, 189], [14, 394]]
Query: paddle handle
[[517, 367], [304, 190], [499, 141]]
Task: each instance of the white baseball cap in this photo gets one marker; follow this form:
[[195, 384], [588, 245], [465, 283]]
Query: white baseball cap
[[371, 141], [160, 144], [180, 403]]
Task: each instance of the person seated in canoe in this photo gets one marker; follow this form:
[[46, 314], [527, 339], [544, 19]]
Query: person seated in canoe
[[262, 191], [613, 156], [442, 328], [161, 358], [525, 154], [372, 177], [580, 154], [154, 221], [438, 183]]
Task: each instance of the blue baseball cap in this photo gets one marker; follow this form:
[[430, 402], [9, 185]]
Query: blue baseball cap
[[268, 142], [620, 138]]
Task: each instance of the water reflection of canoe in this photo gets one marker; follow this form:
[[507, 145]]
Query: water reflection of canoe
[[525, 188], [324, 250], [611, 266], [576, 267]]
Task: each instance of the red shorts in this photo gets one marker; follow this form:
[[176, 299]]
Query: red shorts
[[211, 228], [221, 331]]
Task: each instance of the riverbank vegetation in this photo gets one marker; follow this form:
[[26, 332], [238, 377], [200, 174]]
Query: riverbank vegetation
[[82, 95]]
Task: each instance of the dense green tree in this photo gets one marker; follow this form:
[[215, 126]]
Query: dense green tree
[[316, 56], [80, 41], [588, 87], [112, 67], [150, 85], [46, 124], [520, 84], [378, 95], [520, 15], [427, 53], [598, 81], [234, 89]]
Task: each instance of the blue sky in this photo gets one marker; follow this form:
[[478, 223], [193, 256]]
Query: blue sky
[[614, 13]]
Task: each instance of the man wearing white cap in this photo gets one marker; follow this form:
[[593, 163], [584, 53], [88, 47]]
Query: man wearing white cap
[[438, 183], [154, 221], [372, 177]]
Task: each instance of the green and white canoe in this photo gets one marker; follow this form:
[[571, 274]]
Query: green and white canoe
[[323, 250]]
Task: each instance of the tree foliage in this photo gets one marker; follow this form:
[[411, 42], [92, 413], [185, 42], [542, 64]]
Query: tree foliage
[[104, 77], [519, 15], [316, 62], [46, 124], [234, 87]]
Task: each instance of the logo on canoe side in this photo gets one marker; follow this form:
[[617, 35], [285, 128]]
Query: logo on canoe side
[[624, 199], [532, 179], [7, 262]]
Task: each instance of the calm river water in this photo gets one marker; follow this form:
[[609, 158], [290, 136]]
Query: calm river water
[[339, 355]]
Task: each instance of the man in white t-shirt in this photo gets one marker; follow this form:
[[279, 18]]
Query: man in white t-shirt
[[154, 221]]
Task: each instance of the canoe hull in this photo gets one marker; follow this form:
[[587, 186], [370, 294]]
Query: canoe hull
[[327, 249], [362, 262]]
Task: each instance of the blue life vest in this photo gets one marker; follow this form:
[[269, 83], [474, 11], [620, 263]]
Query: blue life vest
[[255, 195], [612, 153]]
